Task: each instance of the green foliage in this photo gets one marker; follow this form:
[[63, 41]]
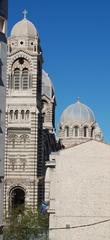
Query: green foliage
[[26, 225]]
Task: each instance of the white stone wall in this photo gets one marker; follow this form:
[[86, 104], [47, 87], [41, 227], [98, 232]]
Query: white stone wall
[[24, 155], [81, 190]]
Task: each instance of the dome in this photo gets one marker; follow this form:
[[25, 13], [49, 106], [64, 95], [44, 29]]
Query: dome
[[97, 129], [77, 112], [24, 28], [47, 87]]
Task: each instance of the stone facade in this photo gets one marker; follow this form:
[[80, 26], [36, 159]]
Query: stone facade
[[78, 192], [23, 163], [30, 118], [3, 54], [48, 117]]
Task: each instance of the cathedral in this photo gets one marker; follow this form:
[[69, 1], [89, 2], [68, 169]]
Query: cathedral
[[71, 172]]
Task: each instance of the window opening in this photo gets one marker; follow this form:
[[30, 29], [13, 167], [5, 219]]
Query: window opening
[[27, 114], [76, 131], [92, 132], [35, 48], [22, 114], [66, 131], [16, 79], [85, 131], [16, 114], [11, 114], [25, 79]]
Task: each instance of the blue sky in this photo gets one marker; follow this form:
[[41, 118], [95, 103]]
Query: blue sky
[[75, 38]]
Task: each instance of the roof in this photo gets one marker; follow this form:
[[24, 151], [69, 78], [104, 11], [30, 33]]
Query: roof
[[77, 112], [24, 28], [47, 86]]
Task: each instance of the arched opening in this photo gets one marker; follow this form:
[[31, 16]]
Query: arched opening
[[66, 131], [22, 114], [11, 114], [85, 131], [25, 79], [76, 131], [17, 198], [92, 132], [27, 115], [16, 114], [16, 78], [35, 48]]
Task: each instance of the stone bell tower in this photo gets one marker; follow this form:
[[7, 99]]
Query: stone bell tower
[[23, 161], [3, 61]]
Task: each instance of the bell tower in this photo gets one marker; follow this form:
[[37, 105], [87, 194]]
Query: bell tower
[[23, 161], [3, 60]]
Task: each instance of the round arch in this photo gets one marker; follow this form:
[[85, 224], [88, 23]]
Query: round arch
[[18, 56], [17, 197]]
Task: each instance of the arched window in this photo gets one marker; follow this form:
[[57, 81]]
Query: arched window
[[85, 131], [17, 198], [22, 114], [66, 131], [16, 78], [25, 79], [11, 114], [27, 114], [92, 132], [16, 114], [76, 131], [34, 48]]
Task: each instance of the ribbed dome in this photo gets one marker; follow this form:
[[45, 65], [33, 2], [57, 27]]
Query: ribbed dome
[[47, 87], [24, 28], [77, 112]]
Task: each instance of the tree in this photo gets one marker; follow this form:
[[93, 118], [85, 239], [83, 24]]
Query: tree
[[26, 225]]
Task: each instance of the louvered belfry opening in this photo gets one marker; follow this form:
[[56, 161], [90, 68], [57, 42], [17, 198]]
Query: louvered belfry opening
[[16, 78], [25, 79]]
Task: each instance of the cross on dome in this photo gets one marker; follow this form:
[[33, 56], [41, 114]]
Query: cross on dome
[[25, 12], [78, 99]]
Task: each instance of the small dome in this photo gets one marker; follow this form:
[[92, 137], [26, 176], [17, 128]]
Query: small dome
[[47, 87], [24, 28], [77, 112], [97, 129]]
